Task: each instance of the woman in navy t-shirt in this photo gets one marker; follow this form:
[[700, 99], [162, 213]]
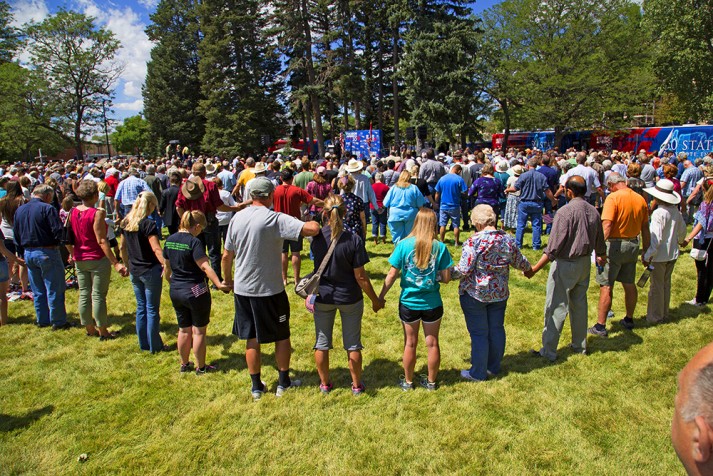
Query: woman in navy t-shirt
[[186, 267]]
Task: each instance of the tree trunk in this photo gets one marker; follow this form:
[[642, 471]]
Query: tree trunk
[[308, 121], [314, 98], [395, 84], [506, 118], [380, 99], [559, 135], [346, 115], [463, 138]]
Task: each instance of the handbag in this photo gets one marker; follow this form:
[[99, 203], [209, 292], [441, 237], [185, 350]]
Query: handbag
[[310, 284], [67, 237], [699, 254]]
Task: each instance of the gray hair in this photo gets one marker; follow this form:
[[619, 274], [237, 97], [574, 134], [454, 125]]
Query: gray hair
[[700, 396], [133, 171], [379, 177], [151, 169], [615, 178], [42, 190], [533, 162], [483, 215]]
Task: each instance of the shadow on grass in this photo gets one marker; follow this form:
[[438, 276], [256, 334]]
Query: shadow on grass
[[381, 373], [11, 423], [231, 360]]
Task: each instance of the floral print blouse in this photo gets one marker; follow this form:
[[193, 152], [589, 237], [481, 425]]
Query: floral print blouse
[[485, 265]]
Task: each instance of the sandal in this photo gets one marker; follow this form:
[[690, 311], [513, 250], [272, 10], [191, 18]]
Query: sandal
[[111, 336], [96, 334]]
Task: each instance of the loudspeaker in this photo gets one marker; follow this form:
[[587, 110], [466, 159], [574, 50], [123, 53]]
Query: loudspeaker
[[422, 132], [410, 133]]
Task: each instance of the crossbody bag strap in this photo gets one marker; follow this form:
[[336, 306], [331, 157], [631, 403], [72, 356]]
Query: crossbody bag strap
[[327, 257]]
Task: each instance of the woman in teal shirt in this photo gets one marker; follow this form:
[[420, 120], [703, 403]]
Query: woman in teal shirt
[[403, 201], [422, 261]]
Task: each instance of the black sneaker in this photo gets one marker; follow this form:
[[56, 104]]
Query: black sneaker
[[62, 327], [206, 369], [598, 332], [627, 323], [186, 367]]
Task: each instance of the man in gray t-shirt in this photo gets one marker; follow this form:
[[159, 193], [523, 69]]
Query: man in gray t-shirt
[[262, 309]]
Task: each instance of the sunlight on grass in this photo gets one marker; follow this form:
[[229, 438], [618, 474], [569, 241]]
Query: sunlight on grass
[[64, 394]]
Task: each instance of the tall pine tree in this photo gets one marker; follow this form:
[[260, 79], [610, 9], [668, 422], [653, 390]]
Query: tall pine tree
[[172, 91]]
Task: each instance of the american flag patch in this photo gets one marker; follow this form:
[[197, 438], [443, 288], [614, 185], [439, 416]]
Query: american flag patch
[[199, 289]]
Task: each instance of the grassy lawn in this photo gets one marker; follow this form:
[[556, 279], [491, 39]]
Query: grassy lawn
[[64, 394]]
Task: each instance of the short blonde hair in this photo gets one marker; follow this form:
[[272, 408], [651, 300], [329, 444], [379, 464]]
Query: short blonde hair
[[483, 215]]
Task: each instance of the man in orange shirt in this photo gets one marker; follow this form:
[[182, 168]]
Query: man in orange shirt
[[625, 216]]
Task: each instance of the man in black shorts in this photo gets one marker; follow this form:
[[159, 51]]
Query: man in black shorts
[[262, 310]]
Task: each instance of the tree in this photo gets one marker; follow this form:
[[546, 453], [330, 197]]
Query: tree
[[9, 37], [438, 69], [682, 32], [239, 74], [172, 92], [131, 136], [76, 60], [24, 124], [583, 65]]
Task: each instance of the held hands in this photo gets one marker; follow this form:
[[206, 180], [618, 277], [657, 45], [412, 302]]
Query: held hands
[[601, 260], [224, 288], [121, 269], [377, 305], [529, 273]]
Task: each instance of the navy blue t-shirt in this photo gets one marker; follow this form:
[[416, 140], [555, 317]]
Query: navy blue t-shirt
[[182, 250], [338, 284]]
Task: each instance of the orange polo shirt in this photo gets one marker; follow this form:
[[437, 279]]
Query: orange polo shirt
[[627, 211]]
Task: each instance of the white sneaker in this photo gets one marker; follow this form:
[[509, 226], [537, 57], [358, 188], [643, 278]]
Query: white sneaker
[[293, 383], [693, 302], [257, 394]]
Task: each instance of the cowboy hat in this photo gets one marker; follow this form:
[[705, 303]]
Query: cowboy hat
[[259, 168], [209, 168], [503, 166], [193, 188], [518, 170], [663, 192], [354, 166]]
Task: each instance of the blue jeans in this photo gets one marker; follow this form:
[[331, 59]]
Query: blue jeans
[[548, 209], [46, 272], [485, 323], [147, 289], [378, 223], [529, 211]]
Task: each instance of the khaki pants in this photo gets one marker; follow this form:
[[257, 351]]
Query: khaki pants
[[660, 291], [93, 278]]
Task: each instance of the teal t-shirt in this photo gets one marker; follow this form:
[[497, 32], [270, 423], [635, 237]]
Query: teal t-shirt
[[419, 288]]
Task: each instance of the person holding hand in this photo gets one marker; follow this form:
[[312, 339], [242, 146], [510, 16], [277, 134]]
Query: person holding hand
[[576, 233], [422, 261], [186, 267], [340, 289]]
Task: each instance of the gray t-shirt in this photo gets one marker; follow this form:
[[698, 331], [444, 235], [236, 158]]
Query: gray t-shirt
[[255, 235]]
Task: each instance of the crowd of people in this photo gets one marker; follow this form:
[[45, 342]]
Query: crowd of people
[[239, 225]]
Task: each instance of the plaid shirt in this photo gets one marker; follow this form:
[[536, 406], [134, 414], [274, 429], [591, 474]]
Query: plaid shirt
[[129, 190]]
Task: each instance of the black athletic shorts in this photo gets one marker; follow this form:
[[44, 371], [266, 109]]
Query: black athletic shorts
[[410, 316], [295, 246], [192, 305], [266, 319]]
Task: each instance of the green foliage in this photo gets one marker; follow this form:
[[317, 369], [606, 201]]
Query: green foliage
[[438, 68], [132, 136], [76, 61], [9, 36], [172, 91], [682, 32], [239, 68], [24, 127]]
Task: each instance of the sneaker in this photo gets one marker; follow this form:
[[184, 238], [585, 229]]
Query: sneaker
[[207, 368], [627, 323], [610, 314], [405, 386], [425, 383], [281, 390], [465, 374], [325, 389], [62, 327], [597, 332], [257, 394], [186, 367], [12, 297], [356, 391], [28, 296], [693, 302]]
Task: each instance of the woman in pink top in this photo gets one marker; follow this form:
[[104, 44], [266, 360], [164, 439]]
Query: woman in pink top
[[93, 259], [319, 187]]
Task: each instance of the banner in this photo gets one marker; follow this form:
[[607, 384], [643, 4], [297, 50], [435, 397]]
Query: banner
[[363, 143]]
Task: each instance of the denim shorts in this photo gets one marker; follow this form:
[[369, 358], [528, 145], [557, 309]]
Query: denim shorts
[[4, 271], [445, 214]]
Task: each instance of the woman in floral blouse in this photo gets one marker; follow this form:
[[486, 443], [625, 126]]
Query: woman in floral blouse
[[355, 220], [485, 269]]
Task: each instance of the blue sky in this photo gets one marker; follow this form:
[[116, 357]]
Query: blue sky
[[128, 20]]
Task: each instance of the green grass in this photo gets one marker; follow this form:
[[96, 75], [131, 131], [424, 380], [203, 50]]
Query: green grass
[[64, 394]]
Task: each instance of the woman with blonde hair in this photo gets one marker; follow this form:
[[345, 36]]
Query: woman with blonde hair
[[142, 254], [422, 261], [403, 201], [186, 267], [355, 219], [340, 289]]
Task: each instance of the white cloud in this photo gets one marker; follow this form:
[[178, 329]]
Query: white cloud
[[149, 4], [135, 106], [132, 90], [25, 11]]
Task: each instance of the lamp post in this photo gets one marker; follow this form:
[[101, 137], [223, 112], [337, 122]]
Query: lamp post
[[106, 131]]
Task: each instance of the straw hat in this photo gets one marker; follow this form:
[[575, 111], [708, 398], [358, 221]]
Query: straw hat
[[354, 166], [663, 192]]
